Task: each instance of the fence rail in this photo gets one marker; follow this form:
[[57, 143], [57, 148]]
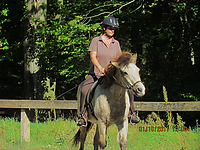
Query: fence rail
[[39, 104], [25, 105], [72, 104]]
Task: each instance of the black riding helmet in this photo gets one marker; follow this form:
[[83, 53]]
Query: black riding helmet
[[110, 21]]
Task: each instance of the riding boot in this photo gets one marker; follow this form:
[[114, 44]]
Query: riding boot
[[82, 119], [132, 117], [83, 114]]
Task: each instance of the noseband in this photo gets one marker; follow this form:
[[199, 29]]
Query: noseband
[[128, 85]]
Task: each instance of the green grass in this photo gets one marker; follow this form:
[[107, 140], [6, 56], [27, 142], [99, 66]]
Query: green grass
[[58, 135]]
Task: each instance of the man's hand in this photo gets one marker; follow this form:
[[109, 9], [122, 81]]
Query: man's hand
[[102, 70]]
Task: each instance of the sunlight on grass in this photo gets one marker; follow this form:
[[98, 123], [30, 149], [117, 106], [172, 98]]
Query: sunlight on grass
[[57, 135]]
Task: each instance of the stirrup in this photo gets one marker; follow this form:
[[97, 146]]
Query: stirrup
[[82, 117], [132, 123]]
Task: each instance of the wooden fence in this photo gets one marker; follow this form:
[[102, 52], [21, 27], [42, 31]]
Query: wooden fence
[[26, 105]]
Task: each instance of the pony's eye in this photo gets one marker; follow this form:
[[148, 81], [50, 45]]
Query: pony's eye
[[125, 73]]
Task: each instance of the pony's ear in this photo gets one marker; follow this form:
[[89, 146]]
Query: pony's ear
[[114, 64], [134, 57]]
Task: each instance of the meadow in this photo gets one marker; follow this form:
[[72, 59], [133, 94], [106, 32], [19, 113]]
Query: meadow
[[151, 134]]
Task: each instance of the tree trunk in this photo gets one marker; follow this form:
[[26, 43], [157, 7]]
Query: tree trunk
[[33, 88]]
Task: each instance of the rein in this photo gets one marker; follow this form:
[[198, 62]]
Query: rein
[[74, 87]]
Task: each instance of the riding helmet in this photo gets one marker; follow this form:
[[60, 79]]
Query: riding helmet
[[110, 21]]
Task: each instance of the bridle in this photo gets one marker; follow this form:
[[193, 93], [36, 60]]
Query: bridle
[[128, 86]]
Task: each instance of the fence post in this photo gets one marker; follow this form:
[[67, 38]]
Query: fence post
[[25, 126]]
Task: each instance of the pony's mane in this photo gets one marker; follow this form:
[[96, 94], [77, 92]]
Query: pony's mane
[[110, 70]]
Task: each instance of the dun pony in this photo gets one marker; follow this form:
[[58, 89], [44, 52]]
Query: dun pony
[[111, 101]]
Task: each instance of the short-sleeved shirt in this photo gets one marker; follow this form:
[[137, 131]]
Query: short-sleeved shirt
[[104, 54]]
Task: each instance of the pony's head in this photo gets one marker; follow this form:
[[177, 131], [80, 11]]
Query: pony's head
[[124, 72]]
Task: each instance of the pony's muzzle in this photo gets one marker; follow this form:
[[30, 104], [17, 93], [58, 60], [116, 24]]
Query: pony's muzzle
[[139, 90]]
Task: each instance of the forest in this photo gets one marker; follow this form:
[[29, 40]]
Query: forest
[[44, 46]]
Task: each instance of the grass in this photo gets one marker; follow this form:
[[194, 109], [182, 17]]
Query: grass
[[57, 135]]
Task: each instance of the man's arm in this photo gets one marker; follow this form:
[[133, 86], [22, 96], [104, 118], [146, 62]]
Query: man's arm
[[93, 56]]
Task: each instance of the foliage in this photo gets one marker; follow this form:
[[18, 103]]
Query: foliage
[[165, 34], [3, 41], [164, 46], [65, 41], [64, 50], [11, 50]]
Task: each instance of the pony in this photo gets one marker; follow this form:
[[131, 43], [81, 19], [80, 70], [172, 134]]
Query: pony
[[111, 102]]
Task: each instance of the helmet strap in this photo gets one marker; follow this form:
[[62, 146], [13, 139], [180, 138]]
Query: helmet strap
[[107, 34]]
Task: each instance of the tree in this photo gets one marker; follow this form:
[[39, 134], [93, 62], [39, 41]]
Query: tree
[[36, 9], [165, 35]]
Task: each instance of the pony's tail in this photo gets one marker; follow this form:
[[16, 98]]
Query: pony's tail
[[76, 138]]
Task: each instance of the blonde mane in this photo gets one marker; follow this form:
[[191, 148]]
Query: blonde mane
[[110, 70]]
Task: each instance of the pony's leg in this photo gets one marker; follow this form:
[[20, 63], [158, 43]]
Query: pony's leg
[[83, 135], [102, 134], [96, 139], [122, 134]]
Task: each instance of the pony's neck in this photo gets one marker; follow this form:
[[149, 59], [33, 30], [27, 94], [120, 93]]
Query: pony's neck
[[118, 90]]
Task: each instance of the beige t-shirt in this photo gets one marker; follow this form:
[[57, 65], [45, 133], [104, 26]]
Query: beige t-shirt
[[104, 54]]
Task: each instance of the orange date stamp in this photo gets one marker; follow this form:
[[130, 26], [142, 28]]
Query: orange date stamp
[[161, 129]]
